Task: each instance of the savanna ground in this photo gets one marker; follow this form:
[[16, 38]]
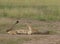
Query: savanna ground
[[43, 15]]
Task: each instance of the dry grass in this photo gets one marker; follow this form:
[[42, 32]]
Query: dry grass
[[30, 2]]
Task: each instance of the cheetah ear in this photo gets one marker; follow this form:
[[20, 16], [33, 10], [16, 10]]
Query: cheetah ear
[[17, 21]]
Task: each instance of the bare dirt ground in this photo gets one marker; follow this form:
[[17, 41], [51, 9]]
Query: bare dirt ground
[[46, 39], [36, 39]]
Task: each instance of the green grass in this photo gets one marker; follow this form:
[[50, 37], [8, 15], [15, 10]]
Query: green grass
[[44, 10]]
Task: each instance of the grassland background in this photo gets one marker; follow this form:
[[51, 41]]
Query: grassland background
[[30, 9]]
